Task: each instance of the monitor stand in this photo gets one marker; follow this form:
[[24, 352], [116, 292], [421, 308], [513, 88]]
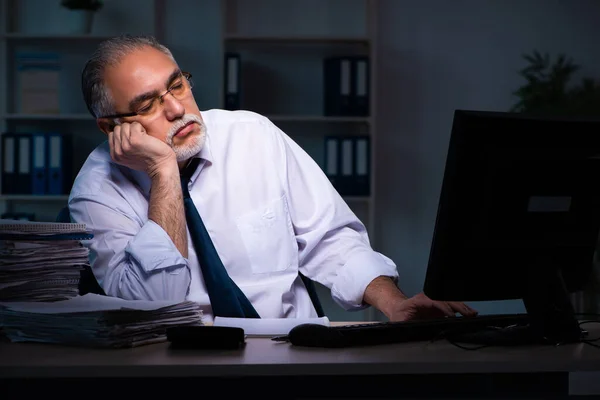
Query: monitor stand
[[551, 316]]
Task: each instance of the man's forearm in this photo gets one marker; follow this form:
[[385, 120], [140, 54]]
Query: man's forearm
[[381, 293], [166, 208]]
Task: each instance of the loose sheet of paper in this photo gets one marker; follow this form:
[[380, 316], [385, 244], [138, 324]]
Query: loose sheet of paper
[[267, 326]]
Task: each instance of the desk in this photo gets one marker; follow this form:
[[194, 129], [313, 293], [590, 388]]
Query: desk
[[418, 369]]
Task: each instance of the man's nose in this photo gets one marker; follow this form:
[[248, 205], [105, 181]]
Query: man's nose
[[173, 108]]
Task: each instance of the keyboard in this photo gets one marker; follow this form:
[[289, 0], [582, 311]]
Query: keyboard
[[315, 335]]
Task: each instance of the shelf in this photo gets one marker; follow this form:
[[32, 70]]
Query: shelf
[[56, 198], [42, 37], [274, 118], [297, 39], [50, 117], [29, 197], [316, 118]]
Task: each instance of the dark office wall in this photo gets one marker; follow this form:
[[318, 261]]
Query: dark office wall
[[437, 56]]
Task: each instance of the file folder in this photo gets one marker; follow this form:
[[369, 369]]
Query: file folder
[[9, 163], [337, 86], [39, 179], [59, 164], [23, 182], [362, 183], [232, 81], [332, 159], [361, 78], [346, 180]]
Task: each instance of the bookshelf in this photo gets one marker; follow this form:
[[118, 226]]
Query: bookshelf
[[282, 43], [40, 25]]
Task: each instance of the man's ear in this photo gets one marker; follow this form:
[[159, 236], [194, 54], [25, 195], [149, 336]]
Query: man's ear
[[105, 125]]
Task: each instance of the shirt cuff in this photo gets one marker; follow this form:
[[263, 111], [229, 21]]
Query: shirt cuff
[[351, 282], [153, 249]]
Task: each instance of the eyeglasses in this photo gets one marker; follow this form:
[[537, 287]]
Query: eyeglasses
[[179, 89]]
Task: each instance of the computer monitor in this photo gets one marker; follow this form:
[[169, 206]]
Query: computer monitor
[[518, 216]]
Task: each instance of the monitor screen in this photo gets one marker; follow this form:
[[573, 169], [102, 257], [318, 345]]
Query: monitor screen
[[519, 210]]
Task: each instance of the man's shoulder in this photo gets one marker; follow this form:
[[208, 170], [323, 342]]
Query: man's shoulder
[[241, 127], [227, 118], [95, 171]]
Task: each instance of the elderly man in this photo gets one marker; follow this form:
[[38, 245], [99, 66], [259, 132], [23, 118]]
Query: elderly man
[[219, 207]]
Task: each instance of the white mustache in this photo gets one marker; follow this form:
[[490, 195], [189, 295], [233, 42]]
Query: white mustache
[[186, 119]]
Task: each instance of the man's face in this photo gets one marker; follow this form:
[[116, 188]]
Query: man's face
[[135, 84]]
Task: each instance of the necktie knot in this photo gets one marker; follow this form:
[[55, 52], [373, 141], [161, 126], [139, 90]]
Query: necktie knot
[[186, 174]]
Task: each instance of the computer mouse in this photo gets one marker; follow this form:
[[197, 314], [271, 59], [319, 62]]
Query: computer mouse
[[315, 335]]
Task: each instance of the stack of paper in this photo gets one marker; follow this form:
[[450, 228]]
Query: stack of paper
[[96, 321], [41, 261]]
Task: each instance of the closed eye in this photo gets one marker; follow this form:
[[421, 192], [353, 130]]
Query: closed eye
[[145, 108]]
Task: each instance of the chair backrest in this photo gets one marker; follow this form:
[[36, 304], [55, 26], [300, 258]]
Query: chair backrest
[[87, 280], [63, 215]]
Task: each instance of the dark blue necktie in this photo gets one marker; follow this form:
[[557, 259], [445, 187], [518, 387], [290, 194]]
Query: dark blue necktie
[[226, 298]]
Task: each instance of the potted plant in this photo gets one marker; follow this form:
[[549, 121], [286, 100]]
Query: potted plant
[[83, 13], [549, 91]]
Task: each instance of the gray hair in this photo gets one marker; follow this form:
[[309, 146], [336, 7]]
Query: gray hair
[[96, 95]]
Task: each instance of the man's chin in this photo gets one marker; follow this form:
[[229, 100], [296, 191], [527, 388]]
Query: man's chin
[[192, 146]]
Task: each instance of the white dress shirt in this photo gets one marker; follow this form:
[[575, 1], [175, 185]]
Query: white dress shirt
[[268, 207]]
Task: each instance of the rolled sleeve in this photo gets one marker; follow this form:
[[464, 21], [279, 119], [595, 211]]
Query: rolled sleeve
[[131, 259], [359, 271], [153, 250]]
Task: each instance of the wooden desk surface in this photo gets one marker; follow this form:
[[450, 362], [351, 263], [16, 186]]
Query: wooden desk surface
[[261, 357]]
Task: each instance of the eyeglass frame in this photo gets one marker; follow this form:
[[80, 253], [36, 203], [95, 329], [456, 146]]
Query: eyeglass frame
[[186, 75]]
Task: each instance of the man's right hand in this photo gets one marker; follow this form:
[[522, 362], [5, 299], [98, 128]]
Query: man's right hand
[[132, 147]]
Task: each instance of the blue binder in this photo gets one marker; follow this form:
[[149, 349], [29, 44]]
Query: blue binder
[[59, 163], [38, 160]]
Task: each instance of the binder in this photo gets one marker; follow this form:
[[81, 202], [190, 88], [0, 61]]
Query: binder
[[232, 81], [59, 164], [337, 86], [38, 158], [332, 159], [362, 180], [361, 85], [346, 180], [9, 163], [23, 181]]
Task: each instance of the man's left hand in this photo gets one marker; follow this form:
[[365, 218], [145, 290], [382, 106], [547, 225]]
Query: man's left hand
[[422, 307]]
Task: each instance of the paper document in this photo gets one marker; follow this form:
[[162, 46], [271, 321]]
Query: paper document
[[267, 326], [47, 270], [93, 320]]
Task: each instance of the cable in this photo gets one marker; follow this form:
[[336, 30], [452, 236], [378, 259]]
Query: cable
[[590, 342], [453, 337], [445, 335]]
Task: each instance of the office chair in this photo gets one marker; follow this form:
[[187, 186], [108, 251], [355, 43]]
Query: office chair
[[87, 280], [89, 284]]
